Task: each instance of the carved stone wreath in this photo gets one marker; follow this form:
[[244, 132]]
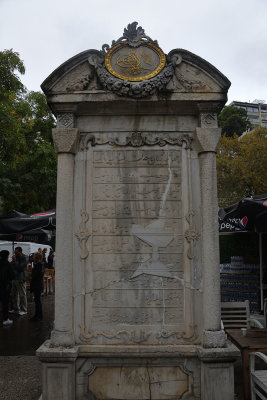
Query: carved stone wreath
[[137, 139], [133, 37]]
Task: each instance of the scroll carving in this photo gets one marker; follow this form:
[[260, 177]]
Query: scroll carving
[[83, 235], [132, 336], [85, 140], [190, 85], [191, 234], [190, 336], [138, 337], [86, 368], [137, 139], [82, 83]]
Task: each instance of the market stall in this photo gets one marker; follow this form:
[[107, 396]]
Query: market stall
[[242, 278]]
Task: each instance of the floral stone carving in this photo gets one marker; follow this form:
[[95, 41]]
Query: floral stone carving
[[134, 65]]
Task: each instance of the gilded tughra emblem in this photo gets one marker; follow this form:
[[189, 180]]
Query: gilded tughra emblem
[[132, 63], [135, 57]]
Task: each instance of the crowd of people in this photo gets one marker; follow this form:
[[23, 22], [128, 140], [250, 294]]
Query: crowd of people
[[13, 279]]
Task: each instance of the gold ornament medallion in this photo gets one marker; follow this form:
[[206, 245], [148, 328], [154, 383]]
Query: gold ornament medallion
[[135, 63]]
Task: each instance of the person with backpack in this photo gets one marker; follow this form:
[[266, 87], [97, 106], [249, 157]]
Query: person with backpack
[[6, 277]]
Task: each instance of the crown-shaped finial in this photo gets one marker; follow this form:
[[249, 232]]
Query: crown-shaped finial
[[134, 36]]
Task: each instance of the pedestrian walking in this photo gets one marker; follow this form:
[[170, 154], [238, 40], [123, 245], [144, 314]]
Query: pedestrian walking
[[50, 260], [44, 258], [36, 286], [6, 277], [19, 296]]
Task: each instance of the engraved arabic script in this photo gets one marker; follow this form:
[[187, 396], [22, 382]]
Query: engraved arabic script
[[132, 63]]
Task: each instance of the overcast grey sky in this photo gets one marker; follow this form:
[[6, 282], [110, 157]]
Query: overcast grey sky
[[230, 34]]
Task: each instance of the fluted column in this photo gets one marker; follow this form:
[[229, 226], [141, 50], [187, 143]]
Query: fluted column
[[208, 135], [65, 141]]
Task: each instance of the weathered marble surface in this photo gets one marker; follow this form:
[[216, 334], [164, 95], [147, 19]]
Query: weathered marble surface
[[136, 244], [140, 383], [187, 78], [137, 278]]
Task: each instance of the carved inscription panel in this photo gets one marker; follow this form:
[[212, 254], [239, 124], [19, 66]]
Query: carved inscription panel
[[136, 257]]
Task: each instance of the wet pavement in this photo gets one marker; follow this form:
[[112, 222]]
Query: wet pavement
[[20, 369], [24, 337]]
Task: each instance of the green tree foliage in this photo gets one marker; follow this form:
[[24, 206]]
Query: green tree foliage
[[10, 84], [27, 156], [234, 120], [11, 91], [241, 166]]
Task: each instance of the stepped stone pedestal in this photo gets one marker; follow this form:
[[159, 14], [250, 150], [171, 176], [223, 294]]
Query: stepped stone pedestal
[[137, 278]]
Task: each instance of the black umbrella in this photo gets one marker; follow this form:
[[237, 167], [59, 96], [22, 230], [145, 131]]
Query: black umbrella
[[250, 214], [16, 222]]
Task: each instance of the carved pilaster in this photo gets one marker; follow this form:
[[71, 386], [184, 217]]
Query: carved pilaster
[[65, 140], [208, 136]]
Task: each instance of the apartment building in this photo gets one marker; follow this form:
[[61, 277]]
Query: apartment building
[[257, 111]]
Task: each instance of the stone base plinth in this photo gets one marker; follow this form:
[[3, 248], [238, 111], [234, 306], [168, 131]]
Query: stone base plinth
[[217, 372], [137, 372], [58, 371]]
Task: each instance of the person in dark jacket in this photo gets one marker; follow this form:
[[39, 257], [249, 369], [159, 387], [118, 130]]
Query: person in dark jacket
[[6, 277], [20, 265], [50, 260], [44, 258], [36, 286]]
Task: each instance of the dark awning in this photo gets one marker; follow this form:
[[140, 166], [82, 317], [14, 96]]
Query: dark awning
[[250, 214], [17, 222]]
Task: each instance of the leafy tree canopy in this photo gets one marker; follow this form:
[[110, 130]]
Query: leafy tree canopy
[[27, 156], [234, 120], [10, 84], [241, 166]]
